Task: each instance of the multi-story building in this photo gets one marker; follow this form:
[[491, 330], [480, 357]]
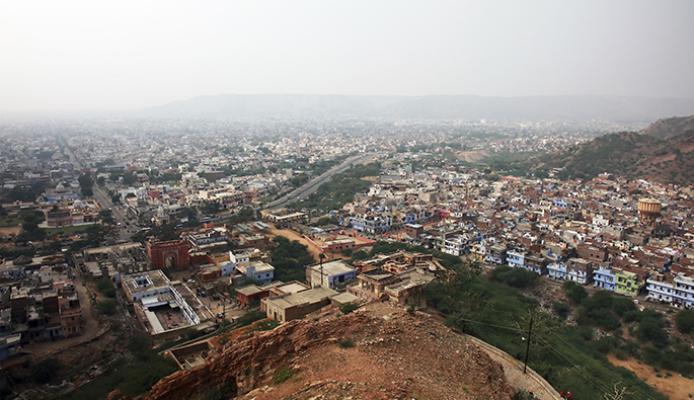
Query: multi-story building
[[675, 287], [297, 305], [579, 270], [591, 253], [371, 224], [496, 254], [604, 278], [515, 259], [684, 290], [281, 218], [535, 264], [660, 287], [455, 245], [557, 270], [628, 282]]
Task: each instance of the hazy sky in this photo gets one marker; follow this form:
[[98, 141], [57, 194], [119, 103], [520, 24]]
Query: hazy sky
[[72, 55]]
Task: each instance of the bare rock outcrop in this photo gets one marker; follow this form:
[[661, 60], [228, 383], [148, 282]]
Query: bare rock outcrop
[[375, 353]]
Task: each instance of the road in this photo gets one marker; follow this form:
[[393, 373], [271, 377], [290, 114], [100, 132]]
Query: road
[[311, 186], [126, 230]]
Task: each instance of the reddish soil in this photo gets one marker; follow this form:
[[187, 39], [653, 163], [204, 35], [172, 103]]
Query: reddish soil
[[676, 387]]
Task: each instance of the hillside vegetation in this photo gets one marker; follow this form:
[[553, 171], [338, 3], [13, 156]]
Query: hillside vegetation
[[663, 152]]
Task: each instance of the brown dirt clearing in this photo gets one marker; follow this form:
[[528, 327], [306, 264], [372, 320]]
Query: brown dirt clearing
[[676, 387]]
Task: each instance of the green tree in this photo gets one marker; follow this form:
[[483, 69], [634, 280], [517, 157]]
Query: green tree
[[44, 371], [129, 178], [246, 214], [107, 306], [289, 259], [26, 192], [86, 185], [575, 292], [561, 309], [684, 320], [107, 216], [651, 328], [30, 227], [515, 277]]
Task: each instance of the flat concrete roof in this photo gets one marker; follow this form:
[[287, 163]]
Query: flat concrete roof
[[292, 287], [308, 296], [344, 298], [336, 267]]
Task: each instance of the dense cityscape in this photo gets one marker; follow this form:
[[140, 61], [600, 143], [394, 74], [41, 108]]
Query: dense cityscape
[[177, 241], [351, 200]]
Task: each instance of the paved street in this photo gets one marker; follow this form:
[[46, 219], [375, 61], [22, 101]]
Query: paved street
[[126, 229], [311, 186]]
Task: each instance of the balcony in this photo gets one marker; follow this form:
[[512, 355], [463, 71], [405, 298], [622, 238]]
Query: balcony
[[659, 289]]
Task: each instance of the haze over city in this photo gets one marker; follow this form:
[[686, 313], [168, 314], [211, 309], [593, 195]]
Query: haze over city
[[323, 200], [83, 55]]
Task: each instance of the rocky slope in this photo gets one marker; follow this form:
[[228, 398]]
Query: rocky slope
[[374, 353]]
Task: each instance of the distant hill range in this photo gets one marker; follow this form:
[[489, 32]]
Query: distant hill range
[[465, 107], [663, 152]]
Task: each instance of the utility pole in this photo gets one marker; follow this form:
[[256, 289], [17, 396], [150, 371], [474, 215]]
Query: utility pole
[[321, 256], [224, 306], [527, 345]]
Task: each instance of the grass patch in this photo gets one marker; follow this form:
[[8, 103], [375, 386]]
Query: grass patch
[[345, 343], [348, 308], [250, 317], [282, 375], [267, 325], [10, 221]]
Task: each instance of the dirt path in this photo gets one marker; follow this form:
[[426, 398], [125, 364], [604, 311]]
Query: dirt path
[[513, 370], [10, 230], [312, 248], [291, 235], [91, 330], [675, 387]]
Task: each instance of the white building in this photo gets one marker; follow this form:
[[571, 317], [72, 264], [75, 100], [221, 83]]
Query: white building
[[257, 271], [675, 289], [332, 274]]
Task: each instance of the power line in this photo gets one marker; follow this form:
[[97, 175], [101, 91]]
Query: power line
[[515, 329], [601, 384]]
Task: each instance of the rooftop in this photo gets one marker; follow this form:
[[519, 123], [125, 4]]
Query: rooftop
[[336, 267], [309, 296]]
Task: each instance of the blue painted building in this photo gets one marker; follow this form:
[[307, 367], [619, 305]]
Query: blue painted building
[[604, 278]]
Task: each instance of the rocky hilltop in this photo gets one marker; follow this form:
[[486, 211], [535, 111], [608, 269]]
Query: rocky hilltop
[[377, 352], [670, 127]]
